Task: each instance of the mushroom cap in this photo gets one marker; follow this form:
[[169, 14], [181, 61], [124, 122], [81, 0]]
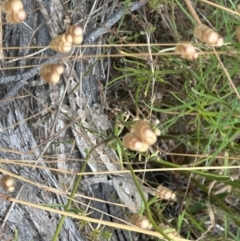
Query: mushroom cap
[[77, 31], [7, 181], [77, 40], [59, 69], [21, 14], [16, 17], [12, 6], [64, 47], [143, 130], [52, 78], [10, 189], [211, 37], [62, 43], [220, 42], [51, 72], [132, 142], [68, 37], [208, 35]]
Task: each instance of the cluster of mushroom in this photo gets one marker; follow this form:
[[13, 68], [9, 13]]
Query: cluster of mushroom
[[208, 35], [63, 42], [8, 183], [204, 34], [140, 221], [14, 10], [165, 193], [141, 136], [143, 222], [51, 72]]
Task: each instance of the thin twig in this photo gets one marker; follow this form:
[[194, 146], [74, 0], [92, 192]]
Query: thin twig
[[119, 13], [193, 12]]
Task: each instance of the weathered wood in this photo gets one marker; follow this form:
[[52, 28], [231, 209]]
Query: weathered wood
[[31, 224]]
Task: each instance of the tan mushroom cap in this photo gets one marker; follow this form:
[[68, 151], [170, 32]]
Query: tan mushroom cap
[[51, 72], [12, 6], [77, 34], [7, 181], [143, 130], [132, 142], [16, 17]]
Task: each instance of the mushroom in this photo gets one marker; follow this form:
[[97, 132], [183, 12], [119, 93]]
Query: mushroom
[[51, 72]]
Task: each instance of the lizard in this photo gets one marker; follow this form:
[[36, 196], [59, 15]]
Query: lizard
[[103, 159], [123, 183]]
